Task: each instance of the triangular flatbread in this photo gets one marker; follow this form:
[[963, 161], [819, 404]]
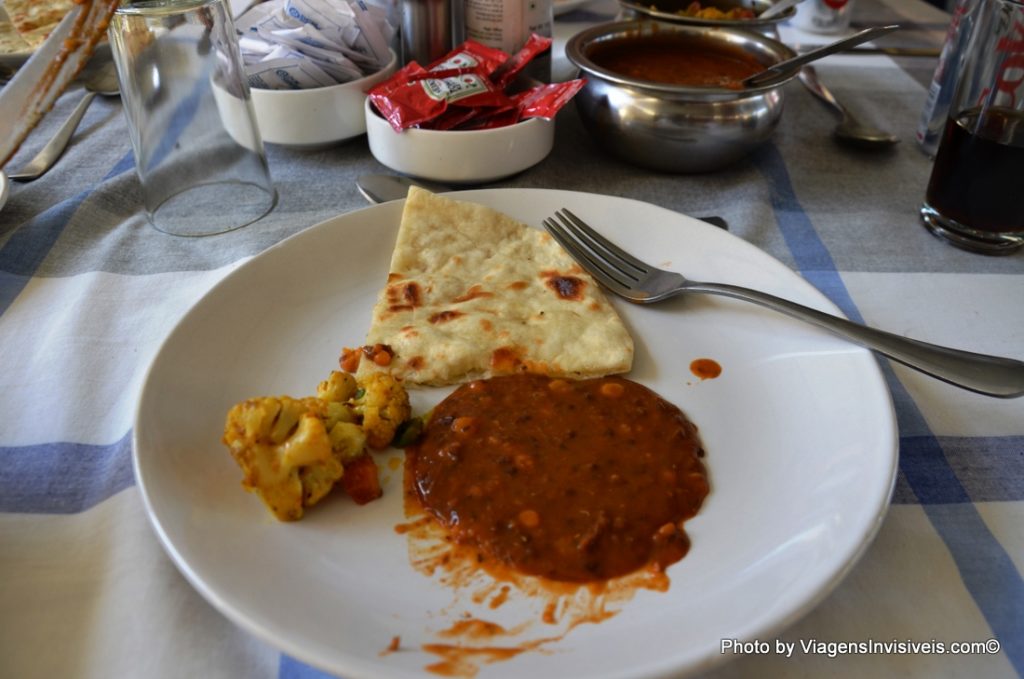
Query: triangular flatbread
[[35, 19], [10, 41], [474, 293]]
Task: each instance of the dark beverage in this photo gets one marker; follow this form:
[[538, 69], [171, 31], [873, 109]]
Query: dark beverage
[[978, 177]]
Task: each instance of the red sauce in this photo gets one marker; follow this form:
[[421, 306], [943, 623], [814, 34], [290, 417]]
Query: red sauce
[[675, 60], [705, 368], [393, 647], [464, 648], [574, 481], [381, 354]]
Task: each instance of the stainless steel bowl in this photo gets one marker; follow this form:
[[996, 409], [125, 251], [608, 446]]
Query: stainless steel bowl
[[669, 10], [672, 127]]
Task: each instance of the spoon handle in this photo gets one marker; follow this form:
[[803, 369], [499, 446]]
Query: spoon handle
[[981, 373], [809, 77], [784, 69]]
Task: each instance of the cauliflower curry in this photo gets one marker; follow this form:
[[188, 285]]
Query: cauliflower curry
[[293, 451]]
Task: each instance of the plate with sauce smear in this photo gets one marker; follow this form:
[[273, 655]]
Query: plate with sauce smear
[[797, 430]]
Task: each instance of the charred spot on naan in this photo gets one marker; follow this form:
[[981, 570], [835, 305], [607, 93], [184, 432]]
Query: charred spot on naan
[[568, 286], [404, 296]]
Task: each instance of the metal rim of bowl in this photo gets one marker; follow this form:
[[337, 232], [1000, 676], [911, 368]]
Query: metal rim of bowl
[[652, 11], [575, 52]]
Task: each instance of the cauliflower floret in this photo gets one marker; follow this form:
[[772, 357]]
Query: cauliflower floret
[[338, 387], [285, 451], [293, 451], [347, 437], [348, 441], [383, 405]]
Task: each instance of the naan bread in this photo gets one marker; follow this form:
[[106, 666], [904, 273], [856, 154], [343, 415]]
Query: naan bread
[[35, 19], [10, 41], [473, 293]]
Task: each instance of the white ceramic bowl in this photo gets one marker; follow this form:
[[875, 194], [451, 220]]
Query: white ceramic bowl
[[460, 156], [316, 117]]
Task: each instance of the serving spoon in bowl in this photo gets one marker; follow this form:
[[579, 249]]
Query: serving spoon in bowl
[[784, 70]]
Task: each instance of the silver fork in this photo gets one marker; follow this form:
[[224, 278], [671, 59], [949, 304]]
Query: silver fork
[[642, 283]]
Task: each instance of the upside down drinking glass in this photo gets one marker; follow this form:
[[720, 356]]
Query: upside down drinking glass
[[974, 196], [198, 152]]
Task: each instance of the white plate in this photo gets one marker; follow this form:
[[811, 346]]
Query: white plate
[[799, 432]]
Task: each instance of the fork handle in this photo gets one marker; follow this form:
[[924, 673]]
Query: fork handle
[[989, 375]]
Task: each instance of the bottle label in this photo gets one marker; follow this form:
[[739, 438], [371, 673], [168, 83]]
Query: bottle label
[[506, 24]]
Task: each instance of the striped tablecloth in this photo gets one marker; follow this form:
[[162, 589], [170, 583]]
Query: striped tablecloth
[[88, 290]]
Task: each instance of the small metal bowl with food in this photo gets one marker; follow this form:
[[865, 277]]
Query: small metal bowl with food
[[671, 96], [748, 14]]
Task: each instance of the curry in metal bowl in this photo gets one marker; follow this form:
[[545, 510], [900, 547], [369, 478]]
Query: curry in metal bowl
[[674, 59], [670, 96]]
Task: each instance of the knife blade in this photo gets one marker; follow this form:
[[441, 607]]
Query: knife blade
[[380, 188], [37, 84]]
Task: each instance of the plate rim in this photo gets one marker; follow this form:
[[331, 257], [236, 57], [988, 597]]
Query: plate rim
[[357, 668]]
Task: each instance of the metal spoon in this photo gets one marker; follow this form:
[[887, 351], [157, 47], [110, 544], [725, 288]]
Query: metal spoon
[[778, 8], [5, 188], [849, 128], [785, 70], [103, 80]]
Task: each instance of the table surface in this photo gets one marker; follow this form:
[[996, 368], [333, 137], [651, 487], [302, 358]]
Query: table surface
[[88, 291]]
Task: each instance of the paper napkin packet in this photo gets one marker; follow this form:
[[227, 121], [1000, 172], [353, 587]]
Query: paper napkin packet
[[302, 44]]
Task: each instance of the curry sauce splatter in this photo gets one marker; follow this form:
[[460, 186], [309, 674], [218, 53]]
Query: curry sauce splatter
[[705, 368], [573, 571]]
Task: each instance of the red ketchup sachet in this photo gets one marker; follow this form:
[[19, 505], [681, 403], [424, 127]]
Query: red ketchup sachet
[[466, 89]]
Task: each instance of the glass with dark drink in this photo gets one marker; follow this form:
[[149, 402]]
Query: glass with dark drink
[[975, 197]]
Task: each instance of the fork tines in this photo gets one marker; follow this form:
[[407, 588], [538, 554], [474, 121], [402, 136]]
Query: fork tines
[[609, 264]]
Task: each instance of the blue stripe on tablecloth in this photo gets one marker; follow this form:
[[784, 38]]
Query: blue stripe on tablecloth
[[991, 470], [985, 568], [985, 469], [21, 256], [290, 668], [28, 246], [63, 478]]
